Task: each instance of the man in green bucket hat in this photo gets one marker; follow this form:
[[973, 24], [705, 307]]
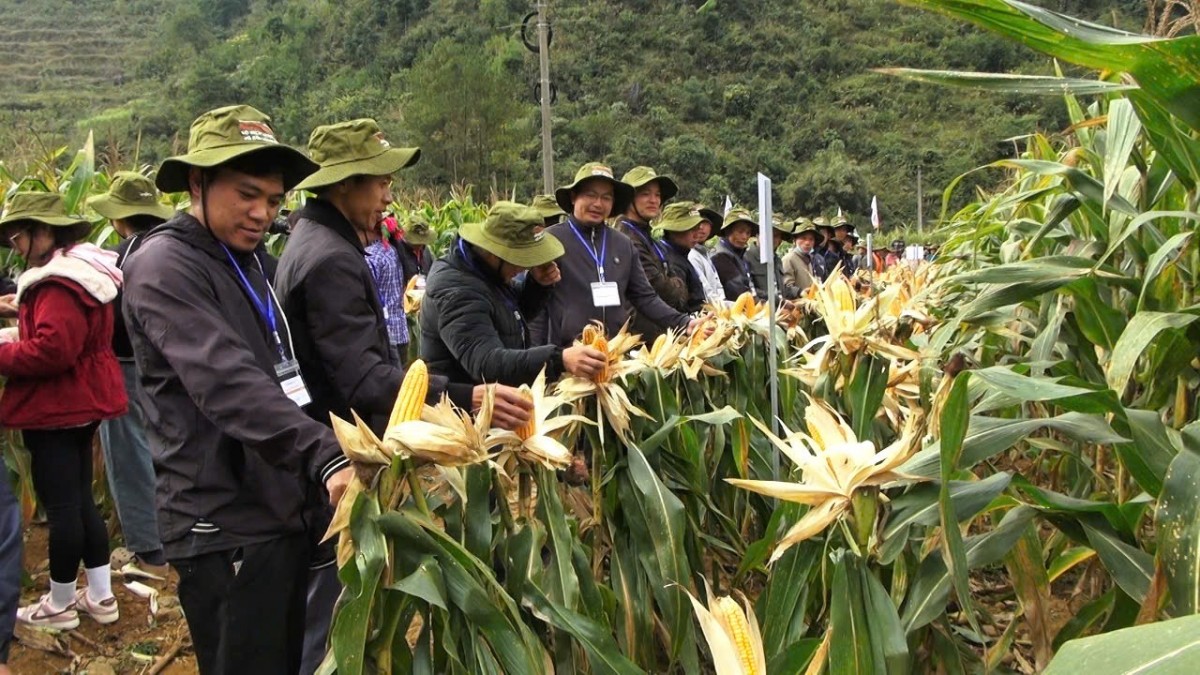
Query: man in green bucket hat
[[681, 226], [132, 207], [338, 319], [650, 192], [802, 265], [551, 212], [235, 453], [729, 255], [781, 236], [602, 276], [474, 318]]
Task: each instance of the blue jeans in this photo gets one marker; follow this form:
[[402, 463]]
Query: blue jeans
[[10, 563], [130, 470]]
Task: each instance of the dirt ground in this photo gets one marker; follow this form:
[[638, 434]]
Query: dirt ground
[[137, 644]]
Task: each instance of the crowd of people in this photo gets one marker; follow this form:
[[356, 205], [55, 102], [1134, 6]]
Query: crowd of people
[[211, 369]]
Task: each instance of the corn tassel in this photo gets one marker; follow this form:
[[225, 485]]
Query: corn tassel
[[410, 400], [731, 615]]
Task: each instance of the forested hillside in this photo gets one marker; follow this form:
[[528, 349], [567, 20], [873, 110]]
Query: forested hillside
[[710, 94]]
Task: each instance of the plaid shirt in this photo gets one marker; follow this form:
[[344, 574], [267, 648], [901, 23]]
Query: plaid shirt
[[385, 268]]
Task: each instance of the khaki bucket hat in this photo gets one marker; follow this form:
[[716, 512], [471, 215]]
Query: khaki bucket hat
[[680, 217], [417, 229], [545, 205], [622, 192], [507, 233], [736, 216], [802, 226], [49, 208], [354, 148], [130, 194], [639, 176], [224, 134]]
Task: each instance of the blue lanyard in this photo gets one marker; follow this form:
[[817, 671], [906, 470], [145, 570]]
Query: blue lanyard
[[264, 306], [649, 242], [598, 259], [505, 294]]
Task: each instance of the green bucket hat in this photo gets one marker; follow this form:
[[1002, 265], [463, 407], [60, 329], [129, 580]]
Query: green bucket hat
[[417, 230], [545, 205], [622, 192], [224, 134], [802, 226], [41, 207], [680, 217], [130, 194], [644, 175], [354, 148], [736, 216], [842, 222], [507, 233]]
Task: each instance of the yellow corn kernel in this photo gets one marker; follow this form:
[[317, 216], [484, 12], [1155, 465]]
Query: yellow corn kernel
[[526, 430], [739, 631], [410, 400]]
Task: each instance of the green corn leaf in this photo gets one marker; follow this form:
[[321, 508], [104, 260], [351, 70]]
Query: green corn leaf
[[1123, 130], [1177, 520], [603, 654], [1131, 567], [919, 506], [1163, 648], [850, 649], [864, 392], [1159, 260], [1038, 85], [1142, 329]]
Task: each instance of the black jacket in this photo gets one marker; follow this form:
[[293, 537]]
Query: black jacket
[[233, 454], [571, 308], [473, 327], [120, 342], [734, 270], [665, 281], [677, 260], [330, 299], [758, 270], [410, 264]]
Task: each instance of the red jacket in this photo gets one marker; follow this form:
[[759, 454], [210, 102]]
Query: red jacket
[[62, 371]]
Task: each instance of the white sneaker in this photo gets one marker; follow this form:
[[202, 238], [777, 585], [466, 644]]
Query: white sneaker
[[104, 611], [44, 615]]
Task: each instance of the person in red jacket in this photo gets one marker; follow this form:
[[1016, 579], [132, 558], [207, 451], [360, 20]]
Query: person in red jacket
[[63, 380]]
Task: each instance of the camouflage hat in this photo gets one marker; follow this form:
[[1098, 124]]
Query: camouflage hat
[[508, 233], [224, 134], [417, 230], [680, 217], [782, 228], [49, 208], [130, 194], [842, 222], [738, 215], [545, 205], [354, 148], [622, 192], [639, 176]]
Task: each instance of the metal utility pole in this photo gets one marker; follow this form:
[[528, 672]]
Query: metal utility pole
[[543, 33], [920, 204]]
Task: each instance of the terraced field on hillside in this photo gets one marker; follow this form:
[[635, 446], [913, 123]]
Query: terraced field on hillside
[[66, 61]]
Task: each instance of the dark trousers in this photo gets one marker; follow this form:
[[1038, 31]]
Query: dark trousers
[[10, 564], [61, 463], [247, 618]]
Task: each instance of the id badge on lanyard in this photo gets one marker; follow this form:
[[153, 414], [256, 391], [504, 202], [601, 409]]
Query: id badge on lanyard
[[287, 370], [605, 294]]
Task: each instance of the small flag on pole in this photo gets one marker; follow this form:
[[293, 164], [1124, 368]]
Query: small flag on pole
[[728, 206], [875, 213], [839, 215]]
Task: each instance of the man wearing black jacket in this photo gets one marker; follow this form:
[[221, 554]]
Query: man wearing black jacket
[[473, 316], [234, 452], [334, 308], [602, 276]]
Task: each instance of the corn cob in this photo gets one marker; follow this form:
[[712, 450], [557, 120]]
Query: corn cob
[[410, 400], [744, 304], [739, 630], [600, 344], [590, 332], [526, 430]]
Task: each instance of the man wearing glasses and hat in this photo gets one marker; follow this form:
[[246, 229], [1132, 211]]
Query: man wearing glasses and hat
[[802, 266], [602, 276], [650, 192]]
